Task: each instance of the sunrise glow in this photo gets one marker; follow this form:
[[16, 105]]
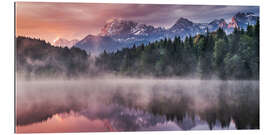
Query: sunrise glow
[[49, 20], [55, 40]]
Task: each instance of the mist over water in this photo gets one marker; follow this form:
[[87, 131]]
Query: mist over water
[[132, 104], [207, 81]]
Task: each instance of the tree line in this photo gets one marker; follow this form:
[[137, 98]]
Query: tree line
[[209, 55], [215, 54], [37, 58]]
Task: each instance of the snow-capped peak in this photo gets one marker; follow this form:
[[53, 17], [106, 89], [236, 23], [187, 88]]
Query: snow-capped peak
[[120, 27], [61, 42], [117, 26]]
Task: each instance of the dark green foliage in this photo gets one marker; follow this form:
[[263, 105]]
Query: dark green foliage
[[38, 58], [234, 56]]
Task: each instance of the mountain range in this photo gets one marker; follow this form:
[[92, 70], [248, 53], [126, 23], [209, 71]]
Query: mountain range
[[119, 33], [65, 43]]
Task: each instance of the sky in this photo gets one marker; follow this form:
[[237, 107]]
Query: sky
[[49, 21]]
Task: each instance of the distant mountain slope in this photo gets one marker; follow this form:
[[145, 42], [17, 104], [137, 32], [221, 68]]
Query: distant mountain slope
[[61, 42], [92, 44], [119, 33], [242, 20]]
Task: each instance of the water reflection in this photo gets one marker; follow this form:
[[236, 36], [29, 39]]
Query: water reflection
[[136, 105]]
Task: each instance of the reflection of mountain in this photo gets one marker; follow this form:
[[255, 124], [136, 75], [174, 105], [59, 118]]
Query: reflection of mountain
[[143, 104], [119, 33], [123, 118]]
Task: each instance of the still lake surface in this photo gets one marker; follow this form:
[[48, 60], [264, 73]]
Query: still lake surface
[[104, 105]]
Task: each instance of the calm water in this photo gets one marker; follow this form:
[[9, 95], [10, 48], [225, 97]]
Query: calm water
[[135, 105]]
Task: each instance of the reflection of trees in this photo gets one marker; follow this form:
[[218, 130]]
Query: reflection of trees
[[246, 109], [228, 101], [170, 107], [31, 110], [232, 102]]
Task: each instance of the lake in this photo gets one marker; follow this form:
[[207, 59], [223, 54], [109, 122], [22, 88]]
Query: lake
[[129, 104]]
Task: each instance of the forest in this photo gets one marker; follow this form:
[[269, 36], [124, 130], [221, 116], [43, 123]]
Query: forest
[[208, 56], [37, 58]]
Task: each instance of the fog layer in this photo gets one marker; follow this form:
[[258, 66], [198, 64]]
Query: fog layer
[[211, 100]]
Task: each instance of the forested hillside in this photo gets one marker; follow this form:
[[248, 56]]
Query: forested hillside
[[208, 56], [35, 57], [234, 56]]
